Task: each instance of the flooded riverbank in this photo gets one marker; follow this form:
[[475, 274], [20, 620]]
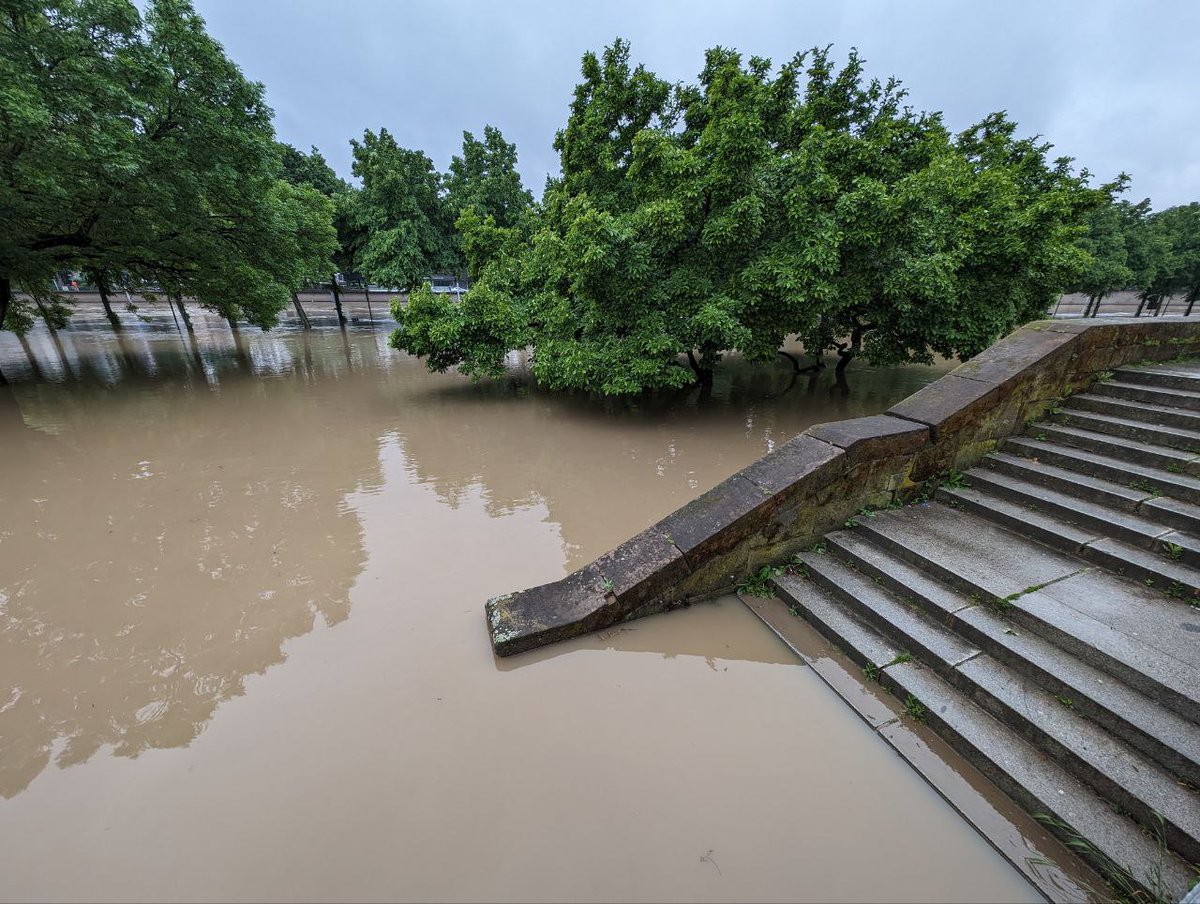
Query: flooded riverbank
[[244, 654]]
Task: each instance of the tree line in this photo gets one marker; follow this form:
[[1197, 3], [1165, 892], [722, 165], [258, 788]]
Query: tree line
[[135, 151], [689, 220]]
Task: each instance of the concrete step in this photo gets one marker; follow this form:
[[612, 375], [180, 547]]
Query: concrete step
[[1093, 518], [1034, 779], [1160, 734], [1159, 415], [1168, 376], [1154, 395], [1118, 470], [1128, 428], [1147, 552], [1131, 450], [1072, 483], [952, 645], [1179, 514], [1135, 633]]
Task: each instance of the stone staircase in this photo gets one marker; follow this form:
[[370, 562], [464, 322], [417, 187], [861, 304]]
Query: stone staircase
[[1040, 615]]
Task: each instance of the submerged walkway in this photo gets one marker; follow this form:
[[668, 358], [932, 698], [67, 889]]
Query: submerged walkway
[[1040, 614]]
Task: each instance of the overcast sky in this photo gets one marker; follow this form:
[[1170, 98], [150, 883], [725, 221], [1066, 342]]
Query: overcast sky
[[1113, 84]]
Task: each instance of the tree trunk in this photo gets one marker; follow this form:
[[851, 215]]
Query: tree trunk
[[1141, 305], [370, 313], [1188, 312], [704, 375], [300, 312], [102, 285], [1096, 305], [337, 299], [187, 321], [793, 359], [847, 353], [5, 298]]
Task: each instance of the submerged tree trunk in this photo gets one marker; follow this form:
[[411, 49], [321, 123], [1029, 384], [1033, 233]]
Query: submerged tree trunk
[[300, 312], [337, 299], [102, 286], [704, 375], [5, 298], [177, 298], [847, 352], [367, 292]]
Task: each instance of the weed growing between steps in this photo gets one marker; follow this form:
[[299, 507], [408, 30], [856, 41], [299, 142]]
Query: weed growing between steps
[[915, 708], [871, 670], [759, 584]]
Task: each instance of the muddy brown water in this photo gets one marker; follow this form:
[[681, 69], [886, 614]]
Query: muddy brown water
[[244, 653]]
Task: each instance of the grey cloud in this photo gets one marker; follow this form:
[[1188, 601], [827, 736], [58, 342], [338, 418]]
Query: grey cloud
[[1107, 82]]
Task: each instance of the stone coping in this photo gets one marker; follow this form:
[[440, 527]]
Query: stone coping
[[813, 483]]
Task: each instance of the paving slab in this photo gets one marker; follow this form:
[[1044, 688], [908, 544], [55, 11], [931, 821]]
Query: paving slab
[[1141, 612], [1126, 656]]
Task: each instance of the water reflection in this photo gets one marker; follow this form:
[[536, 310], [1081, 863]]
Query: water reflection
[[178, 506], [161, 541]]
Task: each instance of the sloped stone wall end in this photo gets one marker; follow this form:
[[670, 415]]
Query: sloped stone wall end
[[574, 605]]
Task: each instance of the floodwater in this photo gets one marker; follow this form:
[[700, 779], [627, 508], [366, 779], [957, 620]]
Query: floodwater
[[244, 654]]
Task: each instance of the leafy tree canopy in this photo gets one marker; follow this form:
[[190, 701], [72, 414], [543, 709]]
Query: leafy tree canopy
[[1179, 274], [400, 211], [485, 179], [755, 204], [135, 147]]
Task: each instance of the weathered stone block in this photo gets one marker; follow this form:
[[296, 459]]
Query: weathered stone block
[[1031, 348], [802, 462], [552, 612], [717, 521], [642, 568], [875, 436], [947, 405]]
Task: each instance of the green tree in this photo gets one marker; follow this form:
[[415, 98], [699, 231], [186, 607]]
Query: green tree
[[1178, 228], [400, 212], [312, 170], [692, 220], [485, 179], [134, 148], [67, 147]]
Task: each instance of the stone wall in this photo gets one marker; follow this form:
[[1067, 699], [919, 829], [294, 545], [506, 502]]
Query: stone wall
[[813, 483]]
